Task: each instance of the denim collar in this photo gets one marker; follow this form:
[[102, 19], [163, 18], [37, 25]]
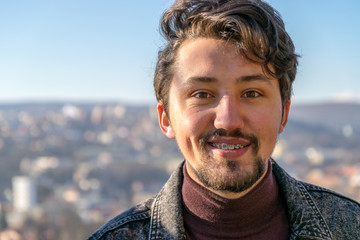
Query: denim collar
[[167, 217], [305, 218]]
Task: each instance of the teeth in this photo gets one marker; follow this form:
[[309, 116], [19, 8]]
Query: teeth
[[225, 146]]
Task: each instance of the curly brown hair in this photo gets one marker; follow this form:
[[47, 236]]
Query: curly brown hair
[[255, 28]]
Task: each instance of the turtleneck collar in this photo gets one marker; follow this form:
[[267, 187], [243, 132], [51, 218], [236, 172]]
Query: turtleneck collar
[[252, 213]]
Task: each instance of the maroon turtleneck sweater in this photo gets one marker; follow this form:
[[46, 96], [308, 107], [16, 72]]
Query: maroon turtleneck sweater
[[260, 214]]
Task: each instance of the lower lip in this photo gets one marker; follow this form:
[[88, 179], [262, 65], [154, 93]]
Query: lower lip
[[235, 153]]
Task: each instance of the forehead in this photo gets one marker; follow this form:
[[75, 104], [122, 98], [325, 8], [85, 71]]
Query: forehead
[[219, 59], [205, 49]]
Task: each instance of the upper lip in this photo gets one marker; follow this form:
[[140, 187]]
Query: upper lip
[[230, 140]]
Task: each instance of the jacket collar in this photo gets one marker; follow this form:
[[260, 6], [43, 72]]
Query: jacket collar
[[305, 219], [167, 218]]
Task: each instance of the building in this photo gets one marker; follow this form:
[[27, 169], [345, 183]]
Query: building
[[24, 193]]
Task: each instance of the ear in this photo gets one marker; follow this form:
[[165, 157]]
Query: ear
[[164, 122], [285, 115]]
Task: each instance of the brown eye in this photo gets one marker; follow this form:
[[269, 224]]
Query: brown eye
[[202, 95], [251, 94]]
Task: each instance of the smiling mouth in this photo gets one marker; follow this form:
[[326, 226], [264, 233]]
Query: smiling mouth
[[225, 146]]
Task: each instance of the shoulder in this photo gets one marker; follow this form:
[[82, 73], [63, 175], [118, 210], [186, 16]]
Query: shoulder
[[308, 203], [331, 199], [323, 197], [131, 224], [339, 212]]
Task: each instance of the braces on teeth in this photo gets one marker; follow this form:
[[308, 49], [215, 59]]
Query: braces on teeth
[[225, 146]]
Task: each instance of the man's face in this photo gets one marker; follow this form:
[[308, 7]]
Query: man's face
[[224, 113]]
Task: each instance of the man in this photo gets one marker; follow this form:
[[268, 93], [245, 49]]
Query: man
[[223, 85]]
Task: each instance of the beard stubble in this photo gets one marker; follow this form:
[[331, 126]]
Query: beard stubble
[[227, 174]]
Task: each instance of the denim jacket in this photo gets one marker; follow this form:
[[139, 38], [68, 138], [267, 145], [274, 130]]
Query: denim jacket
[[314, 212]]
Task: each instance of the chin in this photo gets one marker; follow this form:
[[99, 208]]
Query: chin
[[230, 175]]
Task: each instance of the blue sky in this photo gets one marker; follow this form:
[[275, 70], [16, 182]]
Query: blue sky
[[106, 50]]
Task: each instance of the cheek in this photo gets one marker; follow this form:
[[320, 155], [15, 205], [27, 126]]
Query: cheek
[[195, 124], [189, 127], [266, 124]]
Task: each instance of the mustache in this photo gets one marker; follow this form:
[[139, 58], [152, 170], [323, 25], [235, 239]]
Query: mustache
[[236, 133]]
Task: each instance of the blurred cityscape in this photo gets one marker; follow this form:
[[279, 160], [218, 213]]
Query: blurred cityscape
[[67, 168]]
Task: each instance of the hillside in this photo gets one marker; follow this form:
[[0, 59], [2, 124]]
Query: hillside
[[95, 159]]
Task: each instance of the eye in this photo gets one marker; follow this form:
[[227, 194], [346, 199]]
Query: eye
[[202, 95], [251, 94]]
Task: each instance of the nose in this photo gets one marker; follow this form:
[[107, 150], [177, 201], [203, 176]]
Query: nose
[[228, 114]]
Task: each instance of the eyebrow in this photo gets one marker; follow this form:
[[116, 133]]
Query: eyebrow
[[247, 78], [256, 77], [197, 79]]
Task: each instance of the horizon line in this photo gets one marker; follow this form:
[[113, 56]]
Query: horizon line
[[150, 102]]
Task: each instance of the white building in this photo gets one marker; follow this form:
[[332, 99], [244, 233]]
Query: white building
[[24, 193]]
